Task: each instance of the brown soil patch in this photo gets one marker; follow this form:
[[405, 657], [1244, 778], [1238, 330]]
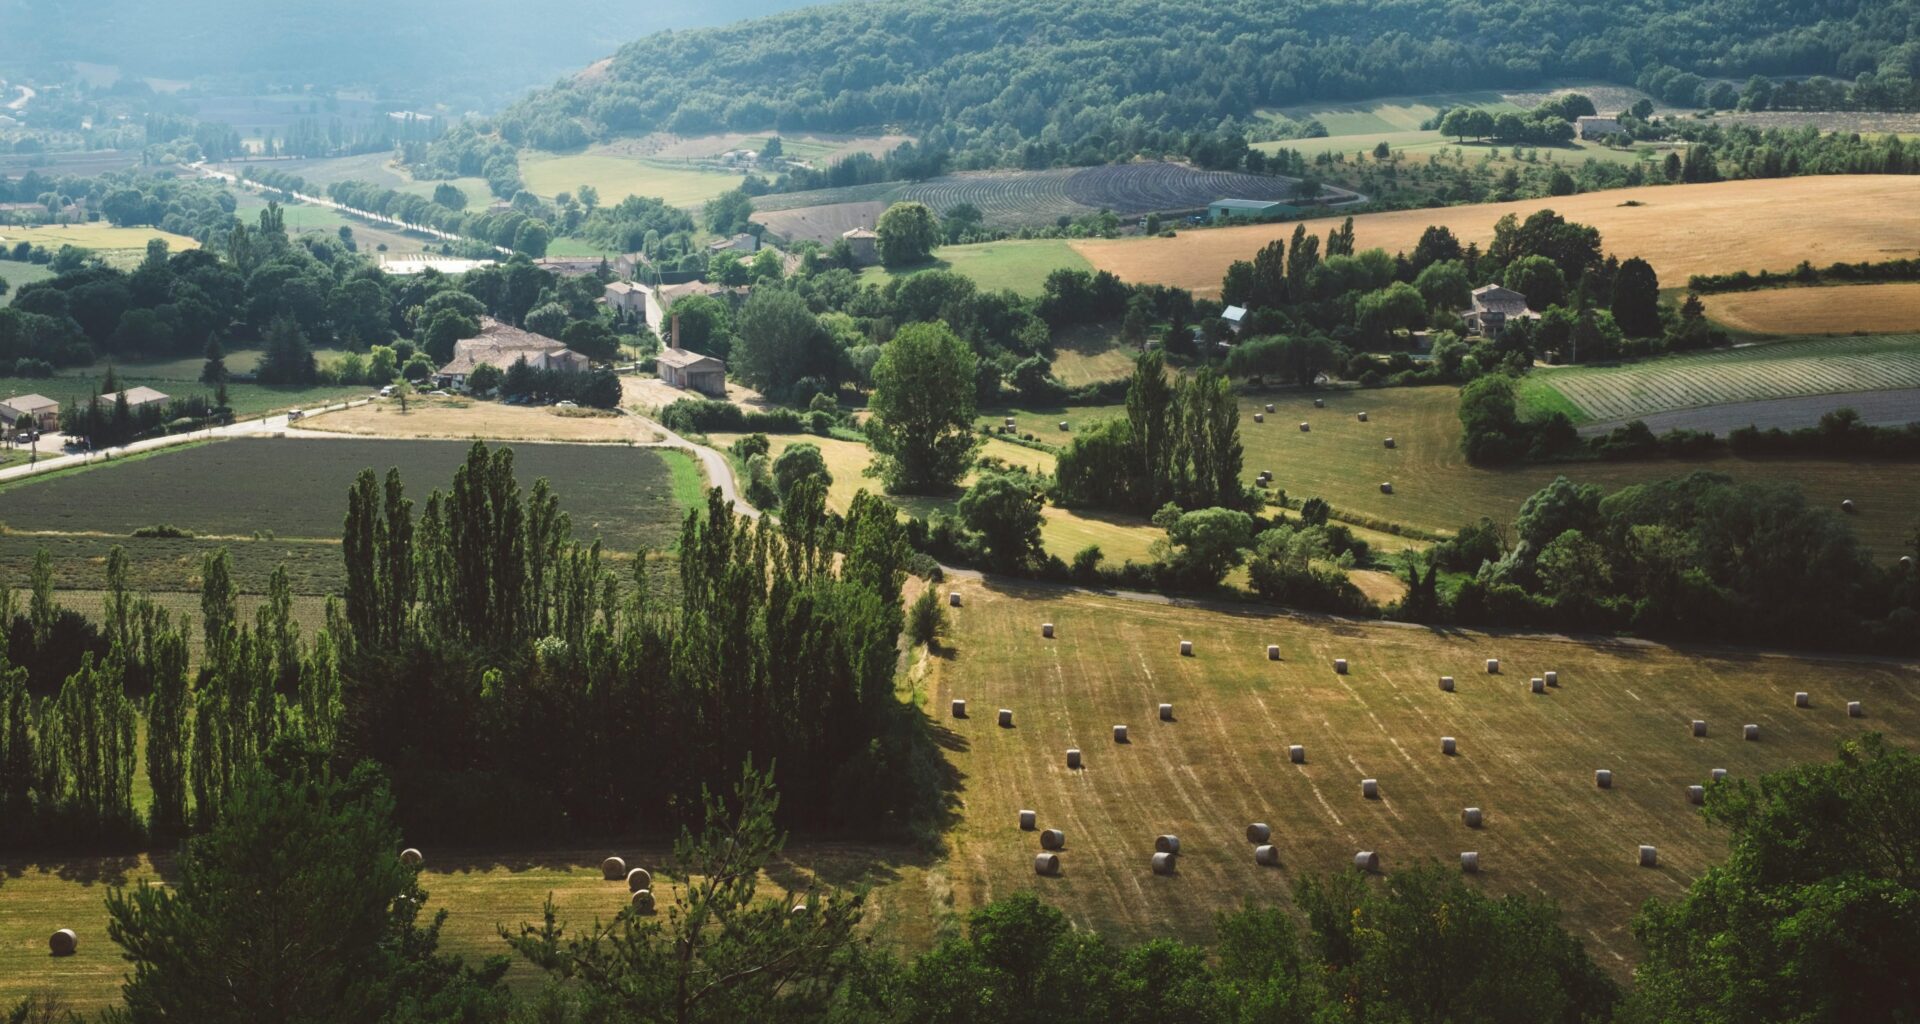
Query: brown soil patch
[[461, 419]]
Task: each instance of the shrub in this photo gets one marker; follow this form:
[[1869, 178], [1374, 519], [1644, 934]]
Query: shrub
[[163, 531], [926, 620]]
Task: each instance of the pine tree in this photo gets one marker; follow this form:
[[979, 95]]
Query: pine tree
[[215, 369]]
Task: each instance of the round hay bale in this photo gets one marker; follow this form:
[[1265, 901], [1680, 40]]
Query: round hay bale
[[1846, 505], [1273, 652], [799, 908], [1472, 816], [1166, 844], [1259, 832], [1750, 732], [1470, 862], [1119, 734], [1718, 774], [1386, 488], [1649, 857], [1186, 648], [613, 869], [1388, 442], [1339, 666], [1802, 700], [1006, 718], [1855, 709], [1363, 417], [1046, 630], [1696, 794], [1447, 746], [1073, 757], [1446, 684], [1319, 403], [1603, 778], [411, 857], [1065, 426], [1366, 861], [1053, 839], [1538, 685], [638, 879], [1269, 406], [63, 942], [959, 709], [1266, 855], [1297, 754], [1552, 678], [1370, 788], [1047, 864], [1699, 727], [1028, 821], [1259, 417], [953, 599], [641, 901], [1305, 427], [1166, 712], [1163, 863], [1493, 666], [1008, 422]]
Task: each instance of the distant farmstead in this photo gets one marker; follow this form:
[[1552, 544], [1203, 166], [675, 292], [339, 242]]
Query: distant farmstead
[[37, 411], [739, 243], [691, 371], [500, 346], [1595, 128], [1493, 308], [137, 398], [865, 244]]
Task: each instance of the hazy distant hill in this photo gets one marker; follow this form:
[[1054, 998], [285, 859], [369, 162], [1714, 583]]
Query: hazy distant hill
[[465, 47], [991, 74]]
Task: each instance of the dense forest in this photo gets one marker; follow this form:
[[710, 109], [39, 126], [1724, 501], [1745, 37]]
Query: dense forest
[[1065, 79]]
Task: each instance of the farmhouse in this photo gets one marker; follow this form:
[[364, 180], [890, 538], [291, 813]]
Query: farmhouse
[[625, 297], [865, 244], [658, 302], [691, 371], [37, 411], [501, 346], [137, 398], [1596, 128], [1250, 209], [1493, 306], [739, 243], [1236, 318]]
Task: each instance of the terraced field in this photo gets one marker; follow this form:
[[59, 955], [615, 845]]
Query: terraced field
[[1813, 366], [1033, 197]]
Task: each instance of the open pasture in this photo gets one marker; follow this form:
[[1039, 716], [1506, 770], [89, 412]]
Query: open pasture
[[181, 377], [1680, 229], [1021, 265], [18, 274], [1527, 761], [1388, 113], [616, 177], [1836, 309], [122, 247], [1038, 197], [468, 419], [293, 493], [1812, 366]]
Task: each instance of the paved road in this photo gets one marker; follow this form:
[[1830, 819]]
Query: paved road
[[377, 218], [719, 470], [1876, 408]]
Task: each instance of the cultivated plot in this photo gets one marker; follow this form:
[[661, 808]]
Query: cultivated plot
[[1839, 309]]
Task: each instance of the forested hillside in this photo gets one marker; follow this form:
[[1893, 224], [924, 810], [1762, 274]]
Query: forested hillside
[[1084, 81]]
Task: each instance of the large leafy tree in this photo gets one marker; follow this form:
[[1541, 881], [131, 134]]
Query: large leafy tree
[[908, 232], [923, 407], [297, 908], [1004, 508], [1812, 917], [779, 341]]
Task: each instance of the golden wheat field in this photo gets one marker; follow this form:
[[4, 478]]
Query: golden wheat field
[[1840, 309], [1681, 230]]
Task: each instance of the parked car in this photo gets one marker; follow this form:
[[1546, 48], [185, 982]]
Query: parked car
[[386, 392], [566, 405]]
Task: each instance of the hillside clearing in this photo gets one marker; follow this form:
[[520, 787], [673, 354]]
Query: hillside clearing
[[616, 177], [1019, 265], [1839, 309], [1770, 224]]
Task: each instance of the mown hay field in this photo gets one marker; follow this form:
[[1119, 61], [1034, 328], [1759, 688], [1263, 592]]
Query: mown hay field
[[1842, 309], [1770, 224], [1527, 761], [1812, 366], [481, 891], [272, 500], [468, 419], [617, 176], [122, 247]]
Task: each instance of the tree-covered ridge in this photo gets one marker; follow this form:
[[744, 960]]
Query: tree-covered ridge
[[1094, 77]]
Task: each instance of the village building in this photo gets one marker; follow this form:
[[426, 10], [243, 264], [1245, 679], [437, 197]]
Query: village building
[[659, 301], [691, 371], [1250, 209], [500, 346], [625, 297], [25, 412], [743, 243], [1235, 317], [137, 398], [1493, 308]]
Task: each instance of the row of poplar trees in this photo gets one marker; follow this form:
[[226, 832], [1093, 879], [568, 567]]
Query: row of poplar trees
[[68, 759], [1180, 443]]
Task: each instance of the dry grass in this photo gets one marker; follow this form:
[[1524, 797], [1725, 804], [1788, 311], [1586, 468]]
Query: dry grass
[[1680, 229], [1841, 309], [464, 419], [1528, 761]]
